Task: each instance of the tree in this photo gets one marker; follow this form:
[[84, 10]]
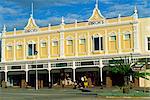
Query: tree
[[126, 68]]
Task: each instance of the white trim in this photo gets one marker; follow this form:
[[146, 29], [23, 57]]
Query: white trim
[[88, 44], [106, 42], [61, 44], [24, 49], [96, 8], [76, 45], [3, 50], [48, 47], [43, 43], [72, 29], [119, 41], [98, 36], [29, 21], [14, 50], [54, 40]]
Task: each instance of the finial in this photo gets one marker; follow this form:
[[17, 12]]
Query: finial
[[76, 22], [4, 28], [62, 20], [31, 10], [96, 5], [135, 15], [135, 9], [49, 26], [119, 15], [14, 30]]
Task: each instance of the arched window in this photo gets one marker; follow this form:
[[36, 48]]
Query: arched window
[[97, 43], [43, 43], [69, 40], [54, 42], [31, 48], [9, 47], [127, 36]]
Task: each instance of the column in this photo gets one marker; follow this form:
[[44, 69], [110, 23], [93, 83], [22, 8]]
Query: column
[[6, 73], [136, 38], [49, 47], [61, 44], [26, 76], [3, 50], [101, 72], [88, 44], [106, 42], [119, 41], [76, 45], [38, 48], [74, 71], [26, 65], [6, 76], [24, 48], [49, 76], [14, 50]]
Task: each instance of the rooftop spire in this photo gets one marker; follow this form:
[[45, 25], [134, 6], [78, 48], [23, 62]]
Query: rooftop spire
[[62, 20], [31, 10], [135, 9], [4, 28], [135, 14], [96, 4]]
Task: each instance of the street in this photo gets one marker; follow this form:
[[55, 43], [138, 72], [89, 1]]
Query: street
[[55, 94]]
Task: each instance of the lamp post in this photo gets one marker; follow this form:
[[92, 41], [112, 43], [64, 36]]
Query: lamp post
[[36, 87]]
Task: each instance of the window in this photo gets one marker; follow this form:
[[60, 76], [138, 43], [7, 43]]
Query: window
[[98, 43], [69, 42], [126, 36], [43, 44], [148, 41], [55, 43], [19, 46], [9, 48], [31, 49], [82, 41], [112, 38]]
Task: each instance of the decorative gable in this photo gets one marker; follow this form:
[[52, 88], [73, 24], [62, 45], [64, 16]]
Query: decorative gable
[[31, 25], [97, 17]]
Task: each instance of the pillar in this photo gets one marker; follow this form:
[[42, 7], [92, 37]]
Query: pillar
[[49, 76], [74, 72], [101, 71], [101, 76], [6, 76], [119, 41], [26, 76]]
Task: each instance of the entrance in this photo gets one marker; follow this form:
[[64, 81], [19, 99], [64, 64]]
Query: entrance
[[89, 72], [42, 78], [2, 77], [59, 75], [16, 79]]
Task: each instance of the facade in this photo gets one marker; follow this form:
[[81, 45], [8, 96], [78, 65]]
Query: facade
[[73, 48]]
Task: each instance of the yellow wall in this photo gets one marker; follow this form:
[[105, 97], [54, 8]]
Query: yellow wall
[[76, 49]]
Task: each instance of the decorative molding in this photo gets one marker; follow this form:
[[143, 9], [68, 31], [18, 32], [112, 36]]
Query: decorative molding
[[72, 29]]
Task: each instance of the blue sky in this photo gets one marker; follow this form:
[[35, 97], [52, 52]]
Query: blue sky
[[15, 13]]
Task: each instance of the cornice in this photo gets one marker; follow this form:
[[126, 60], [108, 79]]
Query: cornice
[[71, 29]]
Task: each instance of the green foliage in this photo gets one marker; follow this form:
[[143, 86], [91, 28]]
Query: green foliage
[[124, 68]]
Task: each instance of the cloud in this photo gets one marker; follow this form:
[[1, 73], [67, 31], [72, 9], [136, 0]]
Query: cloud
[[16, 12]]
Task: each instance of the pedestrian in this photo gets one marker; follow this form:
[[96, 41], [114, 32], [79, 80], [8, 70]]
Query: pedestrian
[[85, 82], [82, 82]]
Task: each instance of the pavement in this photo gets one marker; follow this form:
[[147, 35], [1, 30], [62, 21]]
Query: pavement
[[66, 94]]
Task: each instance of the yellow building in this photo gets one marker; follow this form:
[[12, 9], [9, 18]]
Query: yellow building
[[75, 48]]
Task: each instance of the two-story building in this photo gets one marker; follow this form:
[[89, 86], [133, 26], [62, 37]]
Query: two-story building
[[77, 49]]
